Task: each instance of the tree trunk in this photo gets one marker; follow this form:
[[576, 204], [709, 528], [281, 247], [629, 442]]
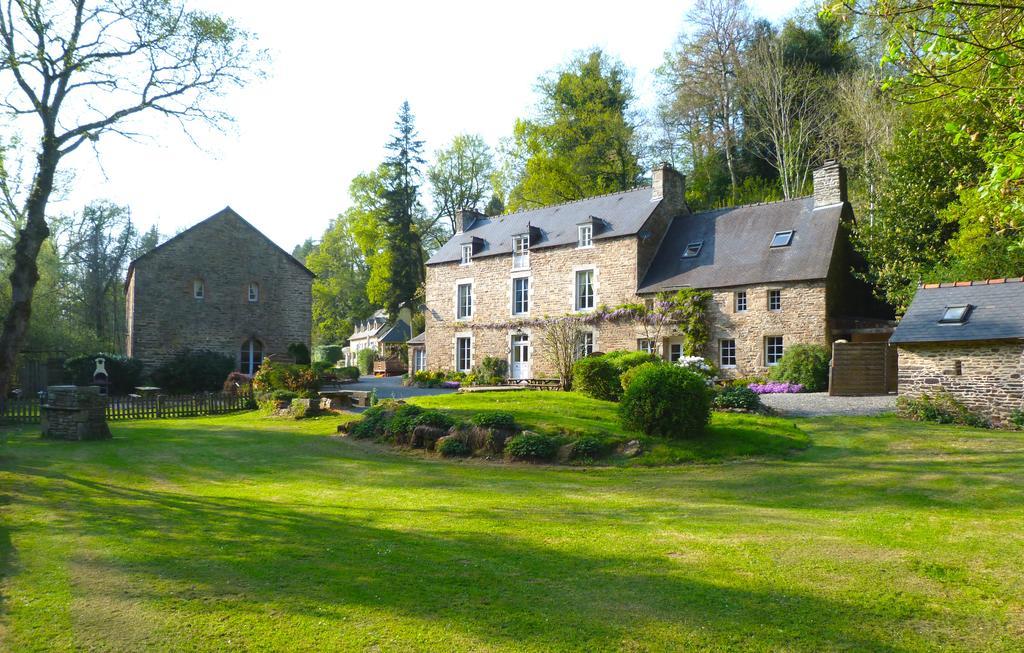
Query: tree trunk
[[25, 274]]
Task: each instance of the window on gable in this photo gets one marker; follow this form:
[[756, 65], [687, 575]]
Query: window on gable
[[584, 290], [198, 289], [254, 293], [586, 235], [467, 254], [693, 249], [520, 252], [520, 295], [782, 239], [957, 314]]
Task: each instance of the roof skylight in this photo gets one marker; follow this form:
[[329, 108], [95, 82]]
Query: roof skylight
[[693, 249], [956, 314], [782, 239]]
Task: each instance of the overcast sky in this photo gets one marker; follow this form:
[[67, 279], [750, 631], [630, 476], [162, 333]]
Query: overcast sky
[[339, 72]]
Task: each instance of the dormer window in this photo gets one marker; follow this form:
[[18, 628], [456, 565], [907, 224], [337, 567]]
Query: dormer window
[[693, 249], [254, 293], [521, 252], [467, 254], [782, 239], [586, 235], [198, 289], [956, 314]]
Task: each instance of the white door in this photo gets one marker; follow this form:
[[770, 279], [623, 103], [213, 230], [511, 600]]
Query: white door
[[520, 356]]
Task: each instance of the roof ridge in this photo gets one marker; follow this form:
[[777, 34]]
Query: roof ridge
[[965, 284], [741, 206], [567, 202]]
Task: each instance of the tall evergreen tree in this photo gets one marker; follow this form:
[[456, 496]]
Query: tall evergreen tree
[[403, 247]]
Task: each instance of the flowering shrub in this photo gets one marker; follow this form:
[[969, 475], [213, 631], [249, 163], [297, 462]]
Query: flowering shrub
[[776, 387], [700, 366], [736, 398], [806, 365]]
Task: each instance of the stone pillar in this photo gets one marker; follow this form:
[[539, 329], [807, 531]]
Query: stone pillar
[[670, 184], [74, 413], [829, 184]]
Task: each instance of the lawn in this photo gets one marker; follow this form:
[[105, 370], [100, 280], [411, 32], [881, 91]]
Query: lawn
[[729, 436], [247, 533]]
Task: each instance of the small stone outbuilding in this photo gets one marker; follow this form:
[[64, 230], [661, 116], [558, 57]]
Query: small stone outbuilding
[[965, 338]]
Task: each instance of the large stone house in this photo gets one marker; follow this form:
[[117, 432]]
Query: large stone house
[[779, 273], [222, 286], [967, 339]]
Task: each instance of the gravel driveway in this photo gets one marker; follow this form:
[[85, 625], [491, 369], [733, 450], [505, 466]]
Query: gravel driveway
[[391, 387], [816, 404]]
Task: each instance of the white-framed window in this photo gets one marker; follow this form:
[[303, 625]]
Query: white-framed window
[[467, 254], [419, 359], [774, 300], [464, 301], [521, 252], [254, 292], [675, 351], [586, 235], [520, 295], [463, 354], [740, 301], [727, 352], [773, 349], [584, 290], [586, 345], [198, 289], [645, 345]]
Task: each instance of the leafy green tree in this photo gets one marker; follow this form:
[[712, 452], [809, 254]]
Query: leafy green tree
[[303, 249], [582, 143], [460, 178], [339, 290]]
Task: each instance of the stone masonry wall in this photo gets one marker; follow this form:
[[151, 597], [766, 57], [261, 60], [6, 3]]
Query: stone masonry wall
[[227, 254], [990, 378]]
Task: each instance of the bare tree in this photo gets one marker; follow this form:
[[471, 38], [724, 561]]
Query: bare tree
[[867, 126], [84, 68], [560, 342], [703, 71], [788, 114]]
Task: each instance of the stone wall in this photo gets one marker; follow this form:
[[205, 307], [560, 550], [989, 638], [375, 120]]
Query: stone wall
[[75, 413], [989, 381], [227, 254]]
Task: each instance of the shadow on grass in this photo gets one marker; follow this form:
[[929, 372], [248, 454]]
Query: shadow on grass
[[227, 555]]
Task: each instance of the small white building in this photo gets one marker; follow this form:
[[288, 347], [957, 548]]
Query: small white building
[[377, 333]]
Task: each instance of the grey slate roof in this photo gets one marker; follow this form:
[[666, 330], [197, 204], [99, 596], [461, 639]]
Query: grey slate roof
[[400, 332], [998, 312], [736, 252], [421, 339], [622, 214]]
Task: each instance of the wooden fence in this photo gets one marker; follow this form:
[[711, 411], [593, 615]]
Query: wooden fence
[[863, 368], [27, 411]]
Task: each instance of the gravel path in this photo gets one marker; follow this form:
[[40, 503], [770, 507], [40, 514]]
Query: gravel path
[[816, 404]]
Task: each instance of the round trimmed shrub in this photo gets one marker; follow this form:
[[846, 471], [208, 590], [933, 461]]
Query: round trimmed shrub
[[624, 360], [597, 377], [630, 374], [495, 420], [532, 446], [667, 400], [451, 447], [806, 365], [736, 398]]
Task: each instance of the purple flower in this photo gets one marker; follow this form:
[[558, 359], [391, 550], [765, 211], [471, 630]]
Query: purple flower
[[776, 387], [452, 385]]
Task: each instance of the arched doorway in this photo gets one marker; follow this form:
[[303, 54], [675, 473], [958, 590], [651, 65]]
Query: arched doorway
[[251, 356]]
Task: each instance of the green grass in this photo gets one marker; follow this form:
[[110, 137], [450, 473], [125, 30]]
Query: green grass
[[730, 435], [247, 533]]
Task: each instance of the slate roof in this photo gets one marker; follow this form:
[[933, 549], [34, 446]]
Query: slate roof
[[227, 211], [421, 339], [621, 214], [997, 313], [399, 333], [736, 252]]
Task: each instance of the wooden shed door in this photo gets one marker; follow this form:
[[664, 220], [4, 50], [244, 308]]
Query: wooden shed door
[[863, 368]]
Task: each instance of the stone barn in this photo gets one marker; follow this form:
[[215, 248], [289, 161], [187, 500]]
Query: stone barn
[[221, 286], [967, 339]]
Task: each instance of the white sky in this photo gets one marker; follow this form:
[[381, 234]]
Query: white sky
[[339, 72]]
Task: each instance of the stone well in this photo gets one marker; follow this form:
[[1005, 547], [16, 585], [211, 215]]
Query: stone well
[[74, 413]]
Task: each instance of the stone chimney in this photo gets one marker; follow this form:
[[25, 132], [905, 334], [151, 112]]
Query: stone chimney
[[829, 184], [464, 219], [669, 184]]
